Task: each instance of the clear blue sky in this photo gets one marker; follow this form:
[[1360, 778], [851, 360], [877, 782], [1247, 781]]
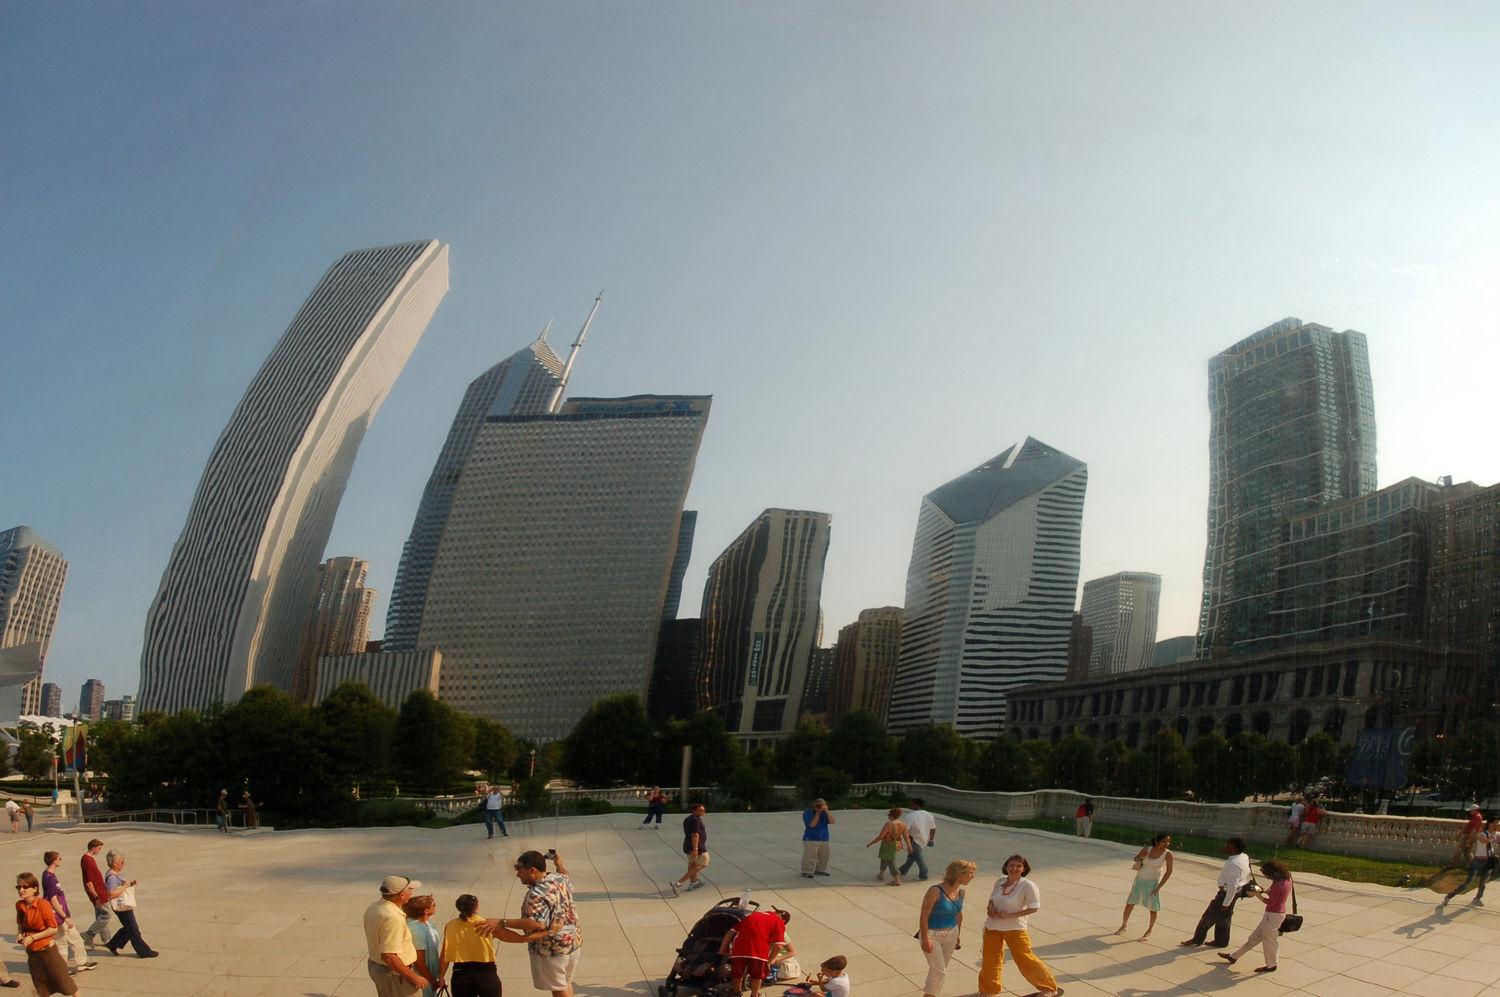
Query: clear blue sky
[[890, 239]]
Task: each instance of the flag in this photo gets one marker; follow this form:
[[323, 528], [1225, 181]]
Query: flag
[[75, 749]]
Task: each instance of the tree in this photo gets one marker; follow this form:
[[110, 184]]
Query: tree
[[434, 742], [1075, 763], [1005, 767], [1278, 768], [1247, 752], [277, 749], [1113, 761], [362, 730], [613, 743], [1041, 761], [933, 753], [762, 759], [1473, 773], [1317, 757], [494, 748], [1210, 753], [716, 753], [824, 782], [1162, 769], [860, 746], [35, 754], [801, 752], [749, 786]]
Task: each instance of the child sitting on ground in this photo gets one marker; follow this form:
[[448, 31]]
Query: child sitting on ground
[[831, 977]]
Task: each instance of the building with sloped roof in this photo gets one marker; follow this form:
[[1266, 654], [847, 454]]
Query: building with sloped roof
[[32, 573], [990, 589]]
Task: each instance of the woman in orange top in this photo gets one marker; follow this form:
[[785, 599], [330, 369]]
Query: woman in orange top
[[37, 927]]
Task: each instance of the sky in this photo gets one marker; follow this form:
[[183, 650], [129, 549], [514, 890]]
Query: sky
[[889, 239]]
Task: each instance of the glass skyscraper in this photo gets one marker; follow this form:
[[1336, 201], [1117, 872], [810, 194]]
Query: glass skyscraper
[[990, 589], [1292, 429]]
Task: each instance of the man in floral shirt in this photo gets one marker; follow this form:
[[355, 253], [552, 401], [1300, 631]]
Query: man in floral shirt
[[548, 907]]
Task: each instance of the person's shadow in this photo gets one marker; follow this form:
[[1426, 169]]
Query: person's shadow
[[1427, 925]]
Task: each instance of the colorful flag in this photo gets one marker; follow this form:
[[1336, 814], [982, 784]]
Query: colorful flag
[[75, 748]]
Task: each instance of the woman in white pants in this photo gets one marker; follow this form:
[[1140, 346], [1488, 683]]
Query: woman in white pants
[[941, 921], [1267, 932]]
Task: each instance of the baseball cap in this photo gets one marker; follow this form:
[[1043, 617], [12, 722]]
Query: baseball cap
[[395, 884]]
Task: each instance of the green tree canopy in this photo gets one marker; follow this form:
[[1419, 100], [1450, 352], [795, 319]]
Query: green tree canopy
[[716, 754], [1317, 757], [1075, 764], [825, 782], [1041, 761], [1211, 765], [434, 743], [495, 750], [860, 746], [613, 743], [801, 752], [933, 753], [1162, 769], [277, 749], [362, 730], [1473, 767], [1005, 767], [1278, 768], [34, 755], [1114, 758]]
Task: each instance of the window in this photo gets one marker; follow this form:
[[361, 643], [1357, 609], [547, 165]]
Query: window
[[1233, 724], [1237, 691], [1205, 726], [1301, 720], [1351, 675], [1133, 734], [1261, 724], [1252, 694]]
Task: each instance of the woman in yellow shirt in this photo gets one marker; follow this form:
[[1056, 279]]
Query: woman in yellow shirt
[[469, 947]]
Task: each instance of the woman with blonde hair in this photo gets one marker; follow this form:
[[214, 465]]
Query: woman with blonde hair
[[941, 921], [893, 838]]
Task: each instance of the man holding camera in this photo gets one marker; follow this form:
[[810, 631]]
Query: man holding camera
[[815, 822], [548, 907]]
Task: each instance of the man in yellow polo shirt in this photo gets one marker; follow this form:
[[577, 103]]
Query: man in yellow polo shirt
[[392, 954]]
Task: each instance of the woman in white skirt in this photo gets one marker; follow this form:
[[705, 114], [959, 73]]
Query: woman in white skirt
[[1153, 867], [941, 921]]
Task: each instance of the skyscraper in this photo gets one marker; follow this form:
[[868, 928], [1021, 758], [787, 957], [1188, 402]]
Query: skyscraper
[[815, 690], [234, 596], [547, 588], [338, 621], [864, 664], [990, 589], [1292, 429], [680, 559], [32, 572], [51, 700], [91, 700], [673, 675], [1121, 610], [761, 620]]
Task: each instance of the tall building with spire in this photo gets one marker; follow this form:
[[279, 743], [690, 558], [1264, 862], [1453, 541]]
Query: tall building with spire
[[338, 622], [234, 596], [1292, 430], [32, 572], [528, 382], [990, 590]]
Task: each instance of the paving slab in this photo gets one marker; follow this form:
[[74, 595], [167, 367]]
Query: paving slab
[[278, 914]]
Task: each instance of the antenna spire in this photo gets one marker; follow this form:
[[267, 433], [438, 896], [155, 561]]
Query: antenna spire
[[557, 392], [545, 329]]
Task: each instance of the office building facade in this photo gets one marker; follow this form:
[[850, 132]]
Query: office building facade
[[991, 589], [683, 554], [1292, 429], [391, 676], [32, 573], [675, 671], [338, 621], [1121, 611], [1080, 648], [233, 598], [864, 664], [548, 585], [1173, 650], [1463, 582], [51, 700], [761, 617], [814, 707], [521, 384], [91, 700]]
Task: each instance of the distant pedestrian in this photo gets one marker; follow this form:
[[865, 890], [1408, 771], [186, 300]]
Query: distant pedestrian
[[223, 808], [1311, 817], [69, 941], [1268, 931], [391, 955], [121, 893], [816, 820], [695, 847], [30, 812], [1294, 821], [548, 907], [36, 928], [941, 923], [656, 806], [98, 894], [13, 811], [494, 812], [1485, 847], [1233, 876], [749, 944], [921, 830], [1084, 818], [1153, 867], [893, 838], [1464, 840], [426, 940], [252, 817], [470, 949], [1012, 902]]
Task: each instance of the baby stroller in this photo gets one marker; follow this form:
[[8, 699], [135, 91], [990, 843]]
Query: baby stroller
[[698, 963]]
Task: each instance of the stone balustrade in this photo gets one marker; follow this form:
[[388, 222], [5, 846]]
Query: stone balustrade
[[1429, 840]]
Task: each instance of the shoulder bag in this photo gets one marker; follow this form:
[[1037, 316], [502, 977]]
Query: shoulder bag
[[1293, 921]]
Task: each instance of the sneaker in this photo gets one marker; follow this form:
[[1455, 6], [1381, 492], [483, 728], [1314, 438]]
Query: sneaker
[[807, 875], [694, 886], [676, 890], [86, 967], [825, 874]]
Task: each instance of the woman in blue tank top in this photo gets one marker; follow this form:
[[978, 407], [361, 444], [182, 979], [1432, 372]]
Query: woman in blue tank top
[[942, 918]]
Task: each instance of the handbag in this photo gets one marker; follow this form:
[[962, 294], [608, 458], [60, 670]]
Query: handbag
[[1293, 921], [125, 901]]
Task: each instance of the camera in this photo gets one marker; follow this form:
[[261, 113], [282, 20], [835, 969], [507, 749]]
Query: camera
[[551, 853]]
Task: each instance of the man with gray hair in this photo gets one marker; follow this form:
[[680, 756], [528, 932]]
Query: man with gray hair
[[392, 955], [815, 822]]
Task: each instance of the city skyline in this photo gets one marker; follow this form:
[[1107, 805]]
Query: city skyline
[[788, 207]]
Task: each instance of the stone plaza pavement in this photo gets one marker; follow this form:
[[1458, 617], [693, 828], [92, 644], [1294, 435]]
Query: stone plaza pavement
[[279, 913]]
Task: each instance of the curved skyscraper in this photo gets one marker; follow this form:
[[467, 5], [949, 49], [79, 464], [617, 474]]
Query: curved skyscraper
[[990, 590], [235, 594], [521, 384]]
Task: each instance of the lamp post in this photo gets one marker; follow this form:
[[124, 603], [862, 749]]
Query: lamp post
[[532, 773]]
